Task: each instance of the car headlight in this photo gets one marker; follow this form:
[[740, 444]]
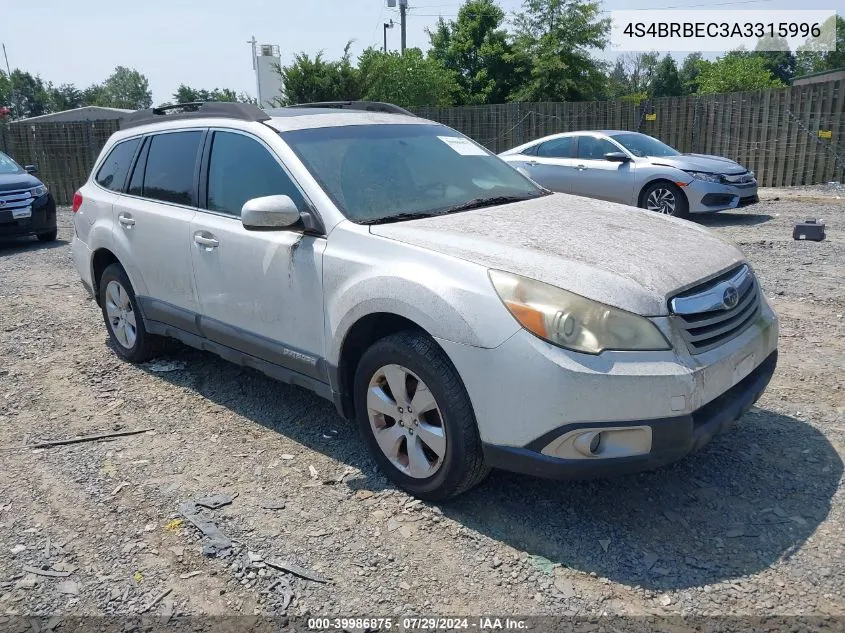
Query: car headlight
[[37, 192], [572, 321], [700, 175]]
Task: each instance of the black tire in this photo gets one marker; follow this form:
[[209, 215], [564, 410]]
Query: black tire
[[49, 236], [681, 204], [463, 465], [146, 345]]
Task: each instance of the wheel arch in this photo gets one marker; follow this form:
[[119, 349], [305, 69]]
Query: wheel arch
[[101, 259], [358, 338], [654, 181]]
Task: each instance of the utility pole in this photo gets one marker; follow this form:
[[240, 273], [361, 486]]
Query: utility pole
[[252, 42], [14, 101], [387, 25], [403, 8]]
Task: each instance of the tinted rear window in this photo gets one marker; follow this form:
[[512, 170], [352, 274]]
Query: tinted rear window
[[112, 174], [171, 163]]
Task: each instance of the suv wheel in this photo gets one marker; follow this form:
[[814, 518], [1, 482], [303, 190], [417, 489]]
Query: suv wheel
[[416, 416], [123, 319], [49, 236], [665, 198]]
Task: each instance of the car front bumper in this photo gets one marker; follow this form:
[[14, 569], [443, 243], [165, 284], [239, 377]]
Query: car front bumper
[[42, 219], [705, 197], [536, 403]]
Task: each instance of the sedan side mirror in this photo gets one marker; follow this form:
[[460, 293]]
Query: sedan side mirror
[[617, 157], [269, 212], [31, 169]]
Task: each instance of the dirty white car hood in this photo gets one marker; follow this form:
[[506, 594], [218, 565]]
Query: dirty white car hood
[[619, 255]]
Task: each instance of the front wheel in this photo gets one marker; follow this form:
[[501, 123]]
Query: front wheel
[[665, 198], [416, 417], [49, 236]]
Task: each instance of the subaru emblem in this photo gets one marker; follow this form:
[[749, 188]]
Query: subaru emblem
[[2, 203], [730, 298]]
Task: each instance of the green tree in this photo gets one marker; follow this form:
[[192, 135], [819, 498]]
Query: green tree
[[186, 94], [476, 48], [308, 80], [666, 82], [64, 97], [408, 79], [812, 60], [95, 95], [689, 72], [558, 36], [126, 88], [735, 72], [780, 62], [27, 95]]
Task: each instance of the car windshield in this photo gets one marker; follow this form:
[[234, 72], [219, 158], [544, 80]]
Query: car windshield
[[392, 172], [642, 145], [8, 166]]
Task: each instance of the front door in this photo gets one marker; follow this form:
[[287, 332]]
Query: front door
[[260, 291], [597, 177]]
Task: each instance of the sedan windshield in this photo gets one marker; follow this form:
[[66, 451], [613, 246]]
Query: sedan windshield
[[387, 173], [8, 166], [642, 145]]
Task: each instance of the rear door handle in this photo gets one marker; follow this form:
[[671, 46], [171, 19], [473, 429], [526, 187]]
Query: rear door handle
[[126, 221], [208, 242]]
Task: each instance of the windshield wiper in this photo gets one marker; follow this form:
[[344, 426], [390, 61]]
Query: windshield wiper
[[479, 203], [397, 218], [475, 203]]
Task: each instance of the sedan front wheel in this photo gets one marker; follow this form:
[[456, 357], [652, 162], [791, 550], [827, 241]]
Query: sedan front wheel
[[665, 198]]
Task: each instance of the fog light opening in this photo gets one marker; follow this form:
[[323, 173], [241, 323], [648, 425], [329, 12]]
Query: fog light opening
[[595, 444]]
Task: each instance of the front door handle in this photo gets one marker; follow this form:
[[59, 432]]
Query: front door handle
[[126, 221], [581, 166], [208, 242], [532, 163]]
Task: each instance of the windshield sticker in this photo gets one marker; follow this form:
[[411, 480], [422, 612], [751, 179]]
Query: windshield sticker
[[463, 146]]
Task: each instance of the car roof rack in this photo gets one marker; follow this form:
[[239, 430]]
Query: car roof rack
[[196, 110], [369, 106]]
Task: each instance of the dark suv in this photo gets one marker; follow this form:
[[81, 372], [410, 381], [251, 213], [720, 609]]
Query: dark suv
[[26, 207]]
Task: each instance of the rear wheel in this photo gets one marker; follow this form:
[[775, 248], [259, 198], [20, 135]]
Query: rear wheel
[[665, 198], [48, 236], [416, 416], [123, 319]]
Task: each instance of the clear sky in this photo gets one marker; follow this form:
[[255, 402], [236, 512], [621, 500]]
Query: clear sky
[[203, 43]]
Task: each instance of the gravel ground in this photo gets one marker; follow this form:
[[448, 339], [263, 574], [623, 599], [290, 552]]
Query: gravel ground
[[751, 525]]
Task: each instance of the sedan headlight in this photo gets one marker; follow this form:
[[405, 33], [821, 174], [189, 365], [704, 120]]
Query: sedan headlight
[[572, 321], [37, 192], [700, 175]]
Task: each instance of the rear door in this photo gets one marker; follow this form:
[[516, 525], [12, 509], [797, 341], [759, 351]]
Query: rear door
[[153, 225], [261, 291], [551, 164], [597, 177]]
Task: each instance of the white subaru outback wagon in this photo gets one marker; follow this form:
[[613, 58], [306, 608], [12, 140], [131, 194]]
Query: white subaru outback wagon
[[465, 317]]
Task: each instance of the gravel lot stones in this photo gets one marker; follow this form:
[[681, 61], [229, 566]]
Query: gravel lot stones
[[753, 524]]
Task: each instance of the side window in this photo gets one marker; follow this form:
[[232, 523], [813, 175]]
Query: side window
[[557, 148], [112, 174], [171, 163], [136, 183], [241, 168], [591, 148], [530, 151]]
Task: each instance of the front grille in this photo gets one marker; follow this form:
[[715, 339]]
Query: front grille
[[702, 316], [15, 199]]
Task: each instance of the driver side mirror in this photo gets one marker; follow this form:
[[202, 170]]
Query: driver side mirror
[[31, 169], [269, 212], [617, 157]]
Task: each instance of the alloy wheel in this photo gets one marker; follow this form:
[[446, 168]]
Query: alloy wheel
[[406, 421], [121, 315], [661, 200]]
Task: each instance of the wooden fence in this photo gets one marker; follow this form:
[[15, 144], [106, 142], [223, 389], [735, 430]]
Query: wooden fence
[[789, 136]]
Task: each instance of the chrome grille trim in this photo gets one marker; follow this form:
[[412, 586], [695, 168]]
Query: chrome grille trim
[[15, 199], [704, 320]]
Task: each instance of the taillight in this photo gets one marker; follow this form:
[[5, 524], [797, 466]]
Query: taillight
[[77, 202]]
